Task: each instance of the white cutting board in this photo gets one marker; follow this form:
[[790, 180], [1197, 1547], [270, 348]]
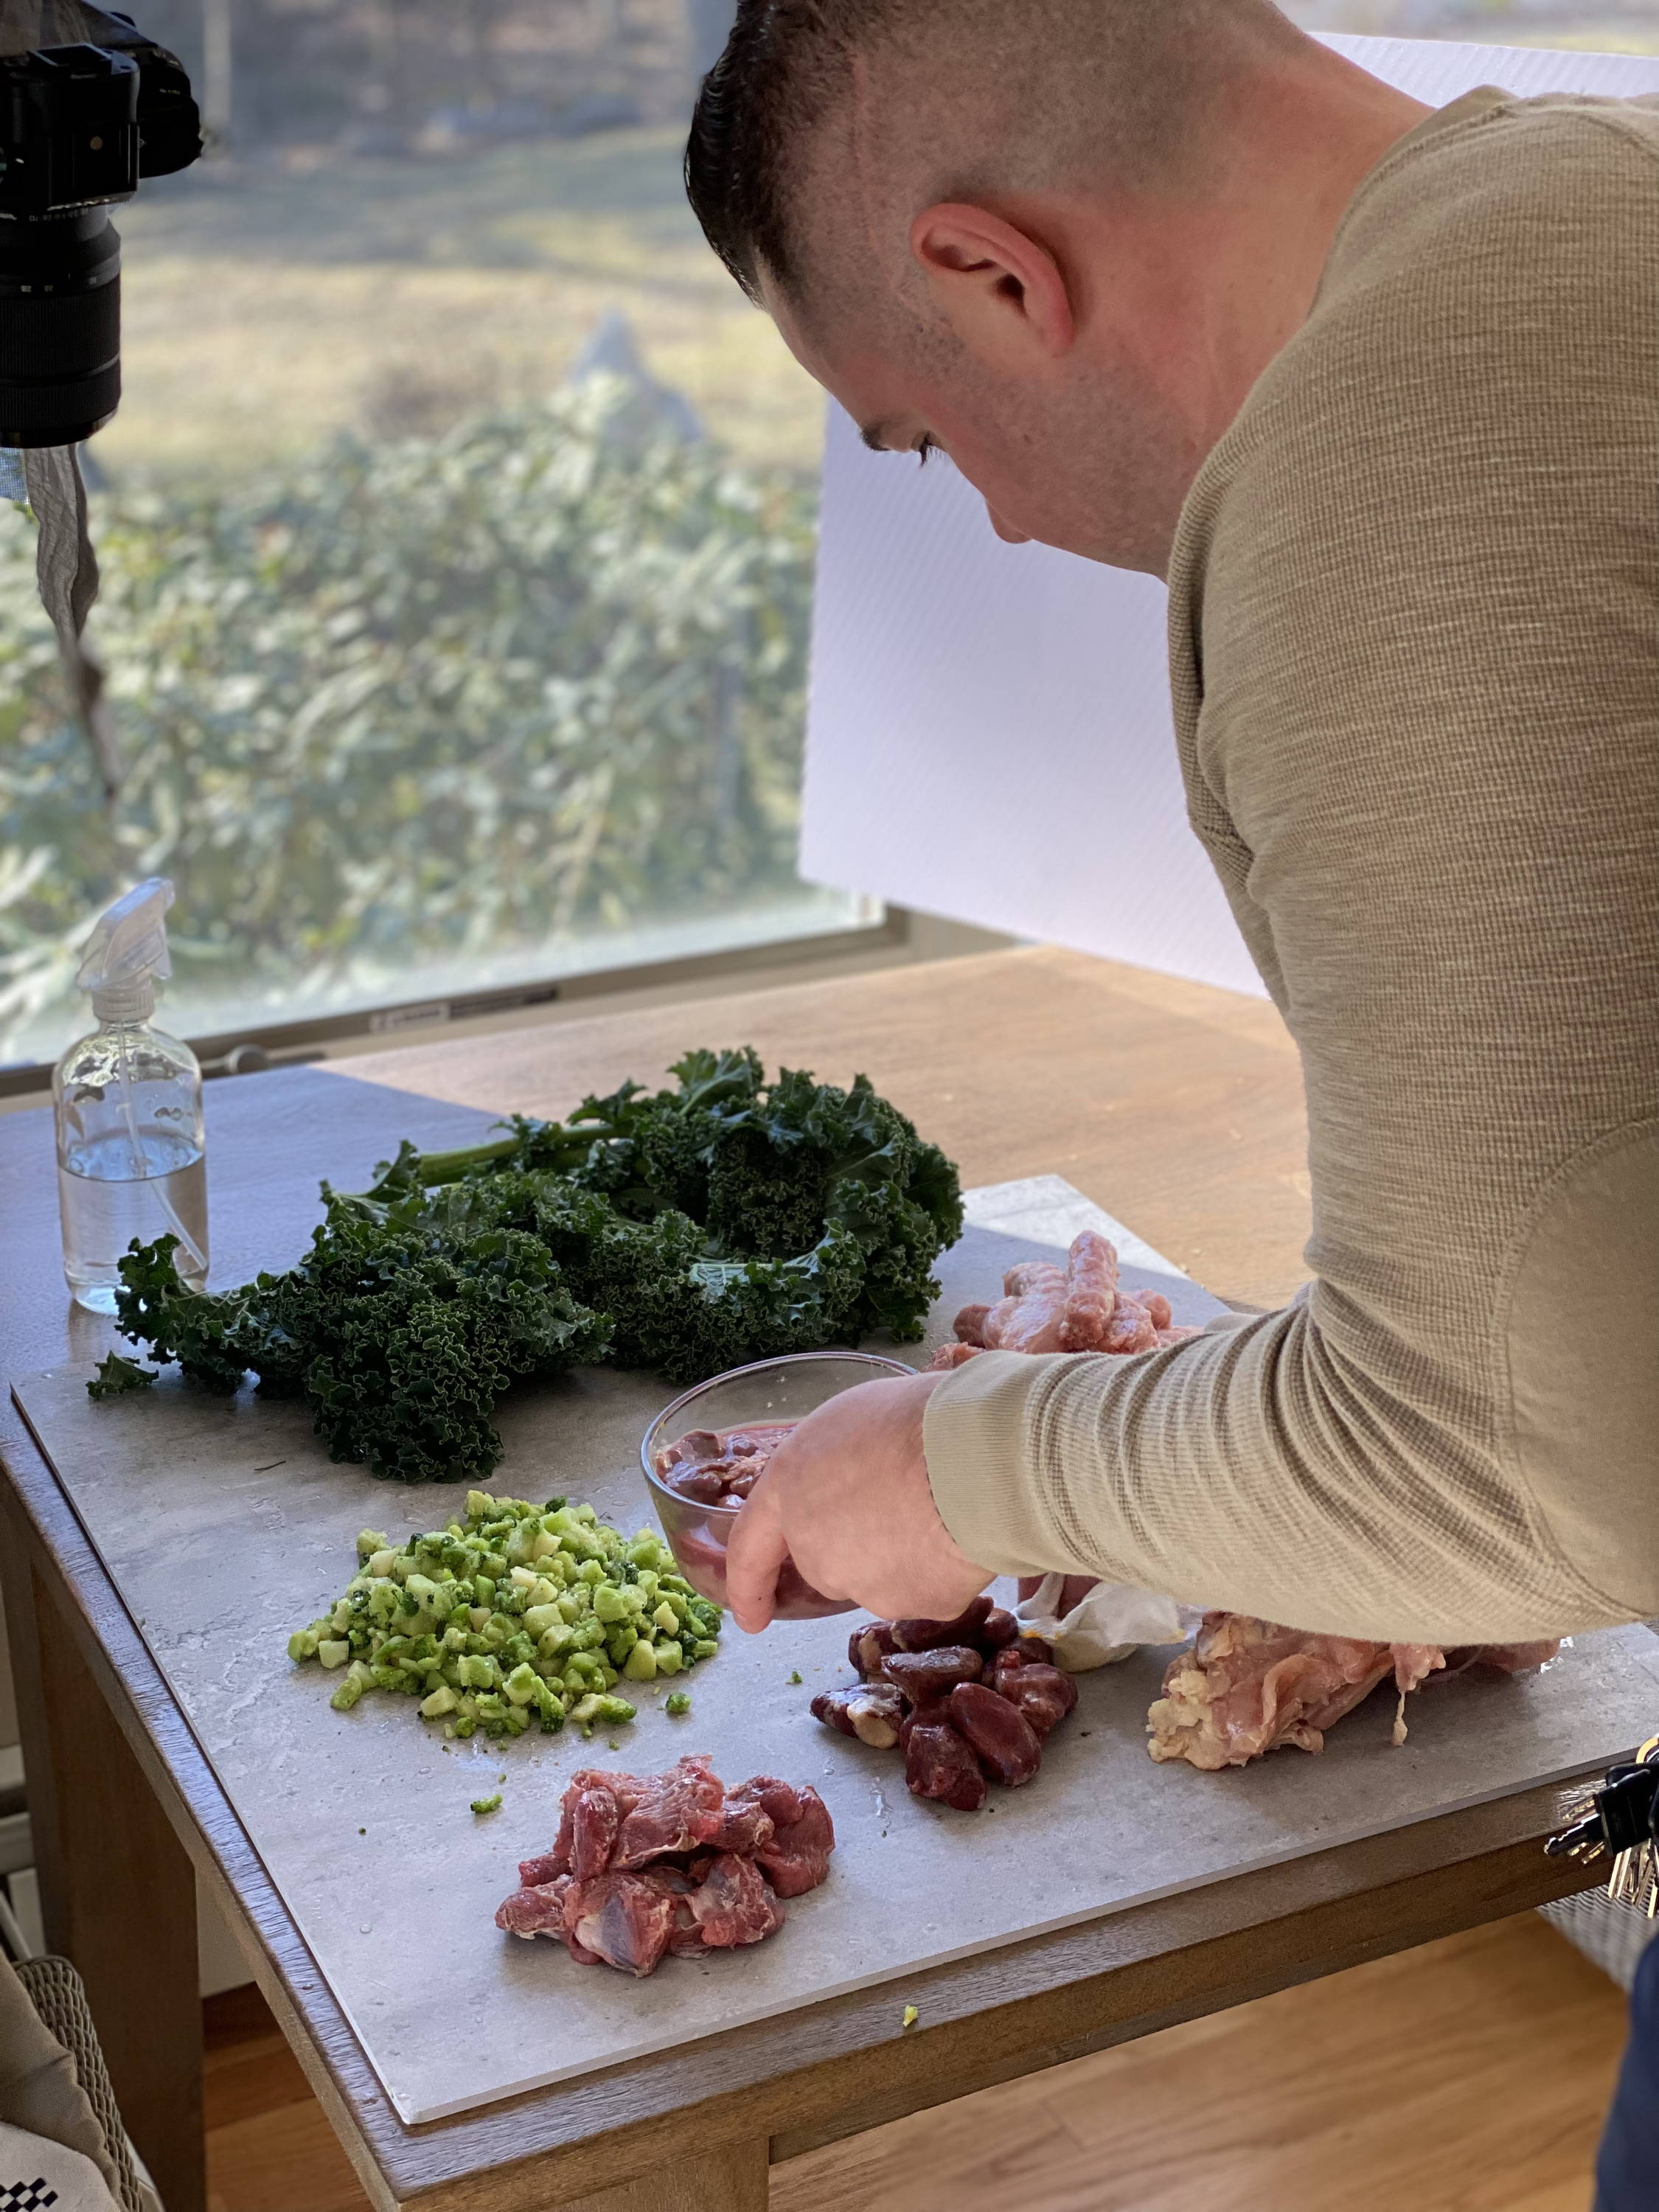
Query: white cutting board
[[225, 1527]]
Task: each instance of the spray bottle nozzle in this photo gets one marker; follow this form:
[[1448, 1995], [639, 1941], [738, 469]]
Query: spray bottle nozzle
[[126, 951]]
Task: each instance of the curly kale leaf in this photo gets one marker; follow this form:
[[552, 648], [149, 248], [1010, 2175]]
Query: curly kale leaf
[[690, 1230], [722, 1079], [670, 1305], [782, 1166], [656, 1150], [410, 1333], [116, 1376], [401, 1336], [758, 1309], [899, 1243], [411, 1380], [212, 1338]]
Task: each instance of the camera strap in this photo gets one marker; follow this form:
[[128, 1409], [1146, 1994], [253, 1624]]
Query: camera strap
[[66, 571]]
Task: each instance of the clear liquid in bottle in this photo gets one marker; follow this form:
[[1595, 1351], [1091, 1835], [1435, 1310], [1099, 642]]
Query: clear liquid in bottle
[[127, 1103], [131, 1157], [105, 1206]]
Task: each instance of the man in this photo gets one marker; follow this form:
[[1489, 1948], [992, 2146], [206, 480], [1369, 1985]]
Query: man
[[1377, 390]]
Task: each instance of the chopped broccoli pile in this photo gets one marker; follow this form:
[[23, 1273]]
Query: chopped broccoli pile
[[519, 1614], [688, 1230]]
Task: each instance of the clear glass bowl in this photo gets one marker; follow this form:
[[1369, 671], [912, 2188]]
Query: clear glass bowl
[[771, 1390]]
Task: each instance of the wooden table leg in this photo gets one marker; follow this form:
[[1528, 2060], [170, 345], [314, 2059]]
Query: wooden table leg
[[730, 2180], [117, 1893]]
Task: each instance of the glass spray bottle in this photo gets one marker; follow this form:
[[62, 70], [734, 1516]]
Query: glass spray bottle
[[127, 1100]]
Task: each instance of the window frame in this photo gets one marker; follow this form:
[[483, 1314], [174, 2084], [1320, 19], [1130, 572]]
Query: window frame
[[259, 1046]]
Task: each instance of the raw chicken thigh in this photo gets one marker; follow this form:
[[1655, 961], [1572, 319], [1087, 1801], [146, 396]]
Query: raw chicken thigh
[[1246, 1687]]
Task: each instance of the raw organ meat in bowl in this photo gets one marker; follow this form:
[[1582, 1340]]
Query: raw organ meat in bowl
[[704, 1453]]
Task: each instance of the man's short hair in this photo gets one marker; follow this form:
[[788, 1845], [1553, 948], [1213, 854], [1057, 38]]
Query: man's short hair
[[1114, 86]]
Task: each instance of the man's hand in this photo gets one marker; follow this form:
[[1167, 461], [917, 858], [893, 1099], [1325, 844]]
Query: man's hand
[[846, 1498]]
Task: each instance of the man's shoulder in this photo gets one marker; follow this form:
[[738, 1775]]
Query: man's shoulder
[[1515, 175], [1490, 299], [1493, 234]]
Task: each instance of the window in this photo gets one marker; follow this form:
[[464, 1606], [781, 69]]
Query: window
[[1613, 27], [457, 531]]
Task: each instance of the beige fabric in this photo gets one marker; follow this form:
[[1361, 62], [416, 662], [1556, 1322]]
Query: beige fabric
[[1415, 635], [38, 2090]]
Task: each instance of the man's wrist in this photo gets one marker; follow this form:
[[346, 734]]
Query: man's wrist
[[984, 1488]]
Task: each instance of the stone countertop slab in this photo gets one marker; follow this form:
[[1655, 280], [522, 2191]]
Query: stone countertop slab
[[224, 1527]]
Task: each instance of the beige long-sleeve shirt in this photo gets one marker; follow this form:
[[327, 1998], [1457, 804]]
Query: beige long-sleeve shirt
[[1414, 643]]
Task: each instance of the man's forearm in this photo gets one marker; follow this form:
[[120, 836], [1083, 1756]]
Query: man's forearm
[[1258, 1470]]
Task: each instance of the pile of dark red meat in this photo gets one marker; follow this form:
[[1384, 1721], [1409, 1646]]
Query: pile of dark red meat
[[645, 1864], [966, 1700]]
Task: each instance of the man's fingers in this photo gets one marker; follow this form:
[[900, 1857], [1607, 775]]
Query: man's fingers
[[753, 1558]]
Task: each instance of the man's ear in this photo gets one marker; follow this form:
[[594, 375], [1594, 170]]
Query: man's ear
[[1001, 290]]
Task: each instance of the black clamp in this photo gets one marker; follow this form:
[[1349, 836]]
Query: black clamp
[[1621, 1817]]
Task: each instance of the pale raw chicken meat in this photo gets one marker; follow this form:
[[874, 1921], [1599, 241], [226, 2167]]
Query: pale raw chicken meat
[[1080, 1307], [1248, 1686]]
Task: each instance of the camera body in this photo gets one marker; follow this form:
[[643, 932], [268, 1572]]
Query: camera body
[[81, 124]]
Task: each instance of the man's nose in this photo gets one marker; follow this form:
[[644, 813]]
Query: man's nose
[[1005, 531]]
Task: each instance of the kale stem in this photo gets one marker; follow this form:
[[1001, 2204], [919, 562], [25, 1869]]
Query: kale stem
[[450, 1167]]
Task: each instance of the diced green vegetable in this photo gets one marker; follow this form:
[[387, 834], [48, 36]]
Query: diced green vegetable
[[488, 1804], [595, 1707], [676, 1702], [357, 1679], [488, 1645]]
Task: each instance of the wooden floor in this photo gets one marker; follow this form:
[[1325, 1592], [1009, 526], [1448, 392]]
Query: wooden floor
[[1466, 2076]]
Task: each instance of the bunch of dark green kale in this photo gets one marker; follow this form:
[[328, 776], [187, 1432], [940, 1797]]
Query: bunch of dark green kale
[[690, 1230]]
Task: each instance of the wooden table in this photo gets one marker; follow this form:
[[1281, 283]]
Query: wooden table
[[1177, 1107]]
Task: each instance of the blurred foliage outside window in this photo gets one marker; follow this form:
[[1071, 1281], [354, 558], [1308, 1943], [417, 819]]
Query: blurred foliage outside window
[[404, 719]]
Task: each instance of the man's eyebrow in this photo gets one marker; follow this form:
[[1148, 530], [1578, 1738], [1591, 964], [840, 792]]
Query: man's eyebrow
[[874, 435]]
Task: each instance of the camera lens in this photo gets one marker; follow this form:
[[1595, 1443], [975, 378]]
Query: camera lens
[[60, 328]]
